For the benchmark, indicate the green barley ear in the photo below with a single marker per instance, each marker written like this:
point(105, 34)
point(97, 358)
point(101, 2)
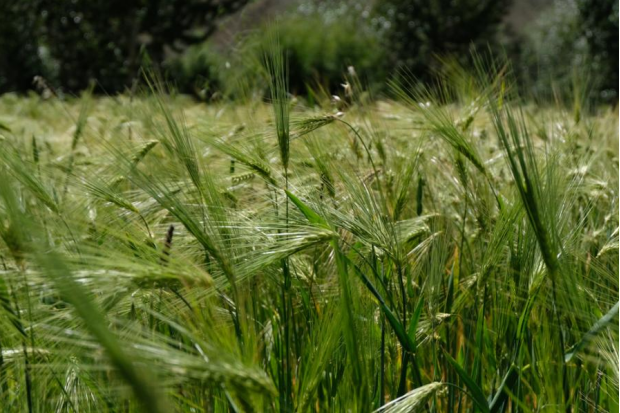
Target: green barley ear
point(610, 246)
point(414, 401)
point(277, 70)
point(143, 151)
point(302, 127)
point(24, 173)
point(581, 90)
point(403, 183)
point(430, 103)
point(174, 134)
point(516, 142)
point(80, 125)
point(322, 166)
point(35, 151)
point(245, 157)
point(106, 193)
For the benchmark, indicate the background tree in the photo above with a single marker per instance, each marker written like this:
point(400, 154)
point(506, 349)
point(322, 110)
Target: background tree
point(572, 41)
point(20, 59)
point(599, 25)
point(419, 29)
point(105, 39)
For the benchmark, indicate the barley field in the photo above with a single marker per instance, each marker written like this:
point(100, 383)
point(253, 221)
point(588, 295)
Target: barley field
point(454, 249)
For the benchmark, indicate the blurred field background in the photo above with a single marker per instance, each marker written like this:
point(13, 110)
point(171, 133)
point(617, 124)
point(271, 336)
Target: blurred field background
point(210, 49)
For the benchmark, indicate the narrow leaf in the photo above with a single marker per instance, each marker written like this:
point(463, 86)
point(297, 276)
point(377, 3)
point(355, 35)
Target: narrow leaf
point(474, 390)
point(596, 328)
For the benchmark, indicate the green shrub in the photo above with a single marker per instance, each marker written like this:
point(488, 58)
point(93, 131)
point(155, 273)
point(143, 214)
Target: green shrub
point(319, 52)
point(198, 71)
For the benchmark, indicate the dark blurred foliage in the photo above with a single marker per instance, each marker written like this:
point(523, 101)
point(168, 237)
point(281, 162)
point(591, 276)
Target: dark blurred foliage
point(103, 40)
point(574, 44)
point(74, 42)
point(419, 30)
point(20, 58)
point(200, 71)
point(107, 36)
point(599, 25)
